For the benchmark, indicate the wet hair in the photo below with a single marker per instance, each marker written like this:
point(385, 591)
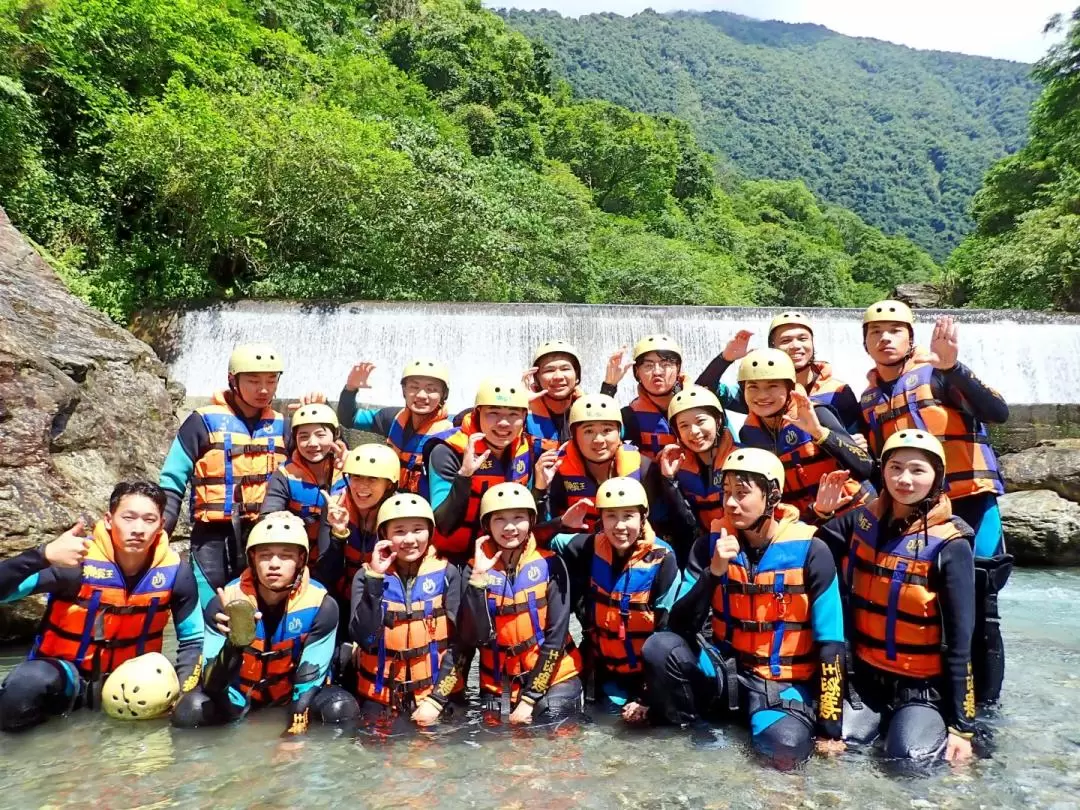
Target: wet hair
point(147, 489)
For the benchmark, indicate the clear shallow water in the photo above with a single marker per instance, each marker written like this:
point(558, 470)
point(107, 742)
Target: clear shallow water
point(90, 761)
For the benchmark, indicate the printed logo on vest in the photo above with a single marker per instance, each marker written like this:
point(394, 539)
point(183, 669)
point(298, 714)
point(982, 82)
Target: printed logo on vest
point(911, 380)
point(519, 467)
point(91, 571)
point(158, 580)
point(864, 523)
point(534, 573)
point(791, 437)
point(429, 586)
point(295, 625)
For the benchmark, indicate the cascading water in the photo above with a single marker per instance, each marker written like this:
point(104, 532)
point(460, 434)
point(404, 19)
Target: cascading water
point(1028, 357)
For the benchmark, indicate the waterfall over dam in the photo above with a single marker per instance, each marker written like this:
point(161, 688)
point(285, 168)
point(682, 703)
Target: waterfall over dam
point(1028, 357)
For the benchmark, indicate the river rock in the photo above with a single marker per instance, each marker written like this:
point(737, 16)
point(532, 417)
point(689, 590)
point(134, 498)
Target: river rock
point(1041, 527)
point(922, 295)
point(83, 404)
point(1053, 465)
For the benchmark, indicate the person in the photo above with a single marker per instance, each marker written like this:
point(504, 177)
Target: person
point(627, 579)
point(694, 465)
point(491, 449)
point(404, 616)
point(657, 368)
point(931, 390)
point(776, 652)
point(227, 451)
point(301, 485)
point(808, 438)
point(516, 611)
point(372, 473)
point(425, 384)
point(270, 638)
point(909, 574)
point(556, 376)
point(110, 596)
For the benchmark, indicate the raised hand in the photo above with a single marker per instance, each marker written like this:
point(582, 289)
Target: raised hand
point(546, 466)
point(805, 418)
point(945, 343)
point(529, 378)
point(739, 346)
point(382, 557)
point(725, 550)
point(482, 561)
point(831, 495)
point(576, 516)
point(340, 450)
point(337, 514)
point(617, 366)
point(358, 376)
point(670, 459)
point(472, 461)
point(310, 398)
point(69, 549)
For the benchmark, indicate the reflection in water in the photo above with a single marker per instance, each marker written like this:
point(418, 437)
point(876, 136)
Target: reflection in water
point(87, 760)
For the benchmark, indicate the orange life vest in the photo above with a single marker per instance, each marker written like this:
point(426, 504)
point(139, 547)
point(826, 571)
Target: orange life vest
point(656, 432)
point(306, 499)
point(517, 604)
point(825, 387)
point(401, 665)
point(762, 613)
point(357, 547)
point(804, 463)
point(234, 472)
point(971, 468)
point(521, 455)
point(896, 616)
point(267, 665)
point(579, 484)
point(622, 606)
point(410, 450)
point(104, 625)
point(703, 488)
point(550, 427)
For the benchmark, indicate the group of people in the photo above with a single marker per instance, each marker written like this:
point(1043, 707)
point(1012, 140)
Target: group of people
point(827, 575)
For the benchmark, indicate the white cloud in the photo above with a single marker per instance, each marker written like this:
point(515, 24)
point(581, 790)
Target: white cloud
point(1003, 30)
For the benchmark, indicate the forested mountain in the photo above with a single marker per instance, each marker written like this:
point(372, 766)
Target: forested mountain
point(902, 137)
point(163, 151)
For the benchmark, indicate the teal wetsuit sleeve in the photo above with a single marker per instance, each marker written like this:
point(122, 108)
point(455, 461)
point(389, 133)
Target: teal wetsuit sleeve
point(29, 573)
point(667, 582)
point(827, 611)
point(318, 650)
point(365, 419)
point(188, 620)
point(561, 542)
point(191, 443)
point(438, 487)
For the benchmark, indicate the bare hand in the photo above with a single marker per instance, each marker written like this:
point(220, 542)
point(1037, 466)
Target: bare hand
point(670, 459)
point(576, 517)
point(522, 714)
point(805, 418)
point(383, 556)
point(830, 747)
point(634, 713)
point(546, 466)
point(427, 713)
point(69, 549)
point(482, 563)
point(358, 376)
point(957, 749)
point(529, 378)
point(725, 550)
point(617, 367)
point(340, 450)
point(221, 618)
point(738, 347)
point(860, 440)
point(310, 398)
point(831, 494)
point(945, 343)
point(471, 461)
point(337, 514)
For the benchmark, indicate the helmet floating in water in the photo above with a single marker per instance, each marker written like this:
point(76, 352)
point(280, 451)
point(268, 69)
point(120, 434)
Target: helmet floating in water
point(141, 688)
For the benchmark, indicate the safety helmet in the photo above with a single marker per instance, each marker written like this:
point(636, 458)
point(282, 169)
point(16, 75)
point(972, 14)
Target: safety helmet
point(404, 505)
point(790, 319)
point(499, 392)
point(373, 461)
point(657, 343)
point(314, 414)
point(917, 440)
point(141, 688)
point(557, 347)
point(506, 496)
point(896, 311)
point(595, 408)
point(693, 396)
point(283, 528)
point(426, 368)
point(619, 492)
point(766, 364)
point(254, 358)
point(756, 460)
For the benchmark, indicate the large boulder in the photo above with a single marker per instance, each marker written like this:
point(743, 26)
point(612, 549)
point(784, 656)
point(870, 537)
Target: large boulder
point(83, 404)
point(923, 295)
point(1053, 465)
point(1041, 527)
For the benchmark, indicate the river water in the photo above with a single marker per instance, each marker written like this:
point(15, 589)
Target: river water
point(88, 760)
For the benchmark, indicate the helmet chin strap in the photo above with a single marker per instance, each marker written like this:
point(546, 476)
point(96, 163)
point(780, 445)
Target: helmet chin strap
point(770, 506)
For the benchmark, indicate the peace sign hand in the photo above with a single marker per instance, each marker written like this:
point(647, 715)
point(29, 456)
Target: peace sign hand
point(337, 515)
point(945, 344)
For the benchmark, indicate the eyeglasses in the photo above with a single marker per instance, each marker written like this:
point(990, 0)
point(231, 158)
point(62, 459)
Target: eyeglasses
point(662, 365)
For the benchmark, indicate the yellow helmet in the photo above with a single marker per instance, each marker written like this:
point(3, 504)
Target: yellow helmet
point(314, 414)
point(404, 505)
point(595, 408)
point(141, 688)
point(426, 368)
point(917, 440)
point(766, 364)
point(657, 343)
point(255, 357)
point(617, 492)
point(506, 496)
point(756, 460)
point(283, 528)
point(498, 392)
point(557, 347)
point(693, 396)
point(896, 311)
point(373, 461)
point(790, 319)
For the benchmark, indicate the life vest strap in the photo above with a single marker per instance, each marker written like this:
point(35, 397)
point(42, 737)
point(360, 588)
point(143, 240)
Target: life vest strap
point(881, 610)
point(876, 570)
point(412, 654)
point(417, 615)
point(212, 481)
point(762, 627)
point(516, 608)
point(862, 639)
point(756, 589)
point(607, 599)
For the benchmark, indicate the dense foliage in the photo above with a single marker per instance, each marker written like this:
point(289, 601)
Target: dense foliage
point(902, 137)
point(170, 150)
point(1025, 251)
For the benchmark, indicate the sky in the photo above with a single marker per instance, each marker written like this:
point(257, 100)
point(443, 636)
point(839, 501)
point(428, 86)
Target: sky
point(1012, 31)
